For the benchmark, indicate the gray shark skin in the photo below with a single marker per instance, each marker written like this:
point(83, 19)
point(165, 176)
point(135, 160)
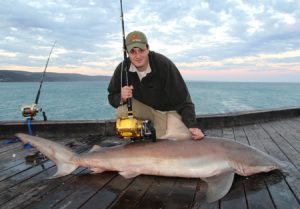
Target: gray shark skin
point(214, 160)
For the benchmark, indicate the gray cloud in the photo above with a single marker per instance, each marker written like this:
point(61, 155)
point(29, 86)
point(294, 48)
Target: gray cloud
point(88, 33)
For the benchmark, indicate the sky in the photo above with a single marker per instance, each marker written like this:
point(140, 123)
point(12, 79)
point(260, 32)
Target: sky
point(229, 40)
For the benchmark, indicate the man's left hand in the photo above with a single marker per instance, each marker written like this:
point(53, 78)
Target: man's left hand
point(197, 134)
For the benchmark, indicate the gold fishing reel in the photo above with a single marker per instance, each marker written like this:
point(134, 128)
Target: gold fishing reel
point(135, 129)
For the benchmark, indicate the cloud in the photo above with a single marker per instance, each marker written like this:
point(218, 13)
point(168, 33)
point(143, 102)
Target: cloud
point(215, 36)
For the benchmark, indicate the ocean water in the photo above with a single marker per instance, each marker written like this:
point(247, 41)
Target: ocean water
point(88, 100)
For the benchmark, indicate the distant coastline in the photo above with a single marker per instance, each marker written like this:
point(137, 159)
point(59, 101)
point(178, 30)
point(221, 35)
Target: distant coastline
point(24, 76)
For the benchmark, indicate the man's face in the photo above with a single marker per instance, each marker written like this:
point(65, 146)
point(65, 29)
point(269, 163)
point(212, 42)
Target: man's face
point(139, 58)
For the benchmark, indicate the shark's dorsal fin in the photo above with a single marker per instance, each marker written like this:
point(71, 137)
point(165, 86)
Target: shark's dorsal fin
point(218, 186)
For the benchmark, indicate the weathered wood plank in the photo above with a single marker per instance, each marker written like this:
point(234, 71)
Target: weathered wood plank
point(24, 175)
point(4, 148)
point(131, 196)
point(257, 193)
point(295, 124)
point(38, 191)
point(289, 151)
point(288, 154)
point(200, 198)
point(214, 132)
point(240, 135)
point(253, 138)
point(108, 194)
point(182, 195)
point(29, 188)
point(83, 188)
point(236, 198)
point(281, 194)
point(282, 150)
point(158, 193)
point(255, 188)
point(199, 201)
point(287, 133)
point(228, 133)
point(28, 185)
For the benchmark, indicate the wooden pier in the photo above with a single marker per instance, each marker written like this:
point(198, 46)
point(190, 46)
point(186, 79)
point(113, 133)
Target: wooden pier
point(24, 185)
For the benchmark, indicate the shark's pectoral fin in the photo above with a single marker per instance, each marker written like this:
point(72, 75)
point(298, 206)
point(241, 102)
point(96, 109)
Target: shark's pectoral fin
point(128, 174)
point(95, 148)
point(97, 170)
point(218, 186)
point(64, 169)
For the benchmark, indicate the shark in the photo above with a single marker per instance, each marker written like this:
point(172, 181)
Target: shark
point(212, 159)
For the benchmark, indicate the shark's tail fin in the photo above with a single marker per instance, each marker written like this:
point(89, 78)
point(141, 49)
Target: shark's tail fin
point(61, 155)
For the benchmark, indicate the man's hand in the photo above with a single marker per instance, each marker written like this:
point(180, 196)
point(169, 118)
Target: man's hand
point(126, 92)
point(197, 134)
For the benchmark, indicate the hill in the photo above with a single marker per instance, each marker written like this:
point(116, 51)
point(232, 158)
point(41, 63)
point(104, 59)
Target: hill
point(23, 76)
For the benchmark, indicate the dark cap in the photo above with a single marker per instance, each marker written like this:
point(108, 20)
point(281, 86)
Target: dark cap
point(136, 39)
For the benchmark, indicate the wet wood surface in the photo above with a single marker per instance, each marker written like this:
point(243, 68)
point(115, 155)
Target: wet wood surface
point(24, 185)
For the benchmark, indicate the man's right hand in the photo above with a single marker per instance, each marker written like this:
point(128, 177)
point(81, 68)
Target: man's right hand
point(126, 92)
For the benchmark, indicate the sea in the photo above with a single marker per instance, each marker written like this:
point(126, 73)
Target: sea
point(88, 100)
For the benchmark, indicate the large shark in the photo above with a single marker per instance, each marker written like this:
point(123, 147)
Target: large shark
point(214, 160)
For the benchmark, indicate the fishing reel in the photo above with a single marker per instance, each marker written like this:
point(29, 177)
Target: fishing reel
point(30, 111)
point(135, 129)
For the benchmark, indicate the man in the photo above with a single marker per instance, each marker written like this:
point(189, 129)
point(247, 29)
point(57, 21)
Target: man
point(156, 87)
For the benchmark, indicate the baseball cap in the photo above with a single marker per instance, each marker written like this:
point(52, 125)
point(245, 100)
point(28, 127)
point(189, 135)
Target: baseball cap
point(136, 39)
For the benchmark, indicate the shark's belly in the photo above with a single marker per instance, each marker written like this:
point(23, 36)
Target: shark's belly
point(193, 168)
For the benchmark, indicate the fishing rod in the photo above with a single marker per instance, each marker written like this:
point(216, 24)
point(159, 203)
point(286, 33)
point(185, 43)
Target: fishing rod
point(30, 111)
point(130, 127)
point(124, 63)
point(43, 76)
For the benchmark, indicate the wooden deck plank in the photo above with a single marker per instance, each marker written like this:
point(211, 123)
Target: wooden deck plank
point(8, 147)
point(228, 133)
point(295, 124)
point(252, 136)
point(28, 186)
point(287, 132)
point(20, 173)
point(240, 135)
point(281, 194)
point(133, 193)
point(23, 176)
point(257, 193)
point(291, 173)
point(256, 190)
point(236, 198)
point(83, 188)
point(200, 194)
point(283, 143)
point(108, 194)
point(38, 191)
point(200, 198)
point(158, 192)
point(214, 132)
point(281, 149)
point(182, 194)
point(15, 157)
